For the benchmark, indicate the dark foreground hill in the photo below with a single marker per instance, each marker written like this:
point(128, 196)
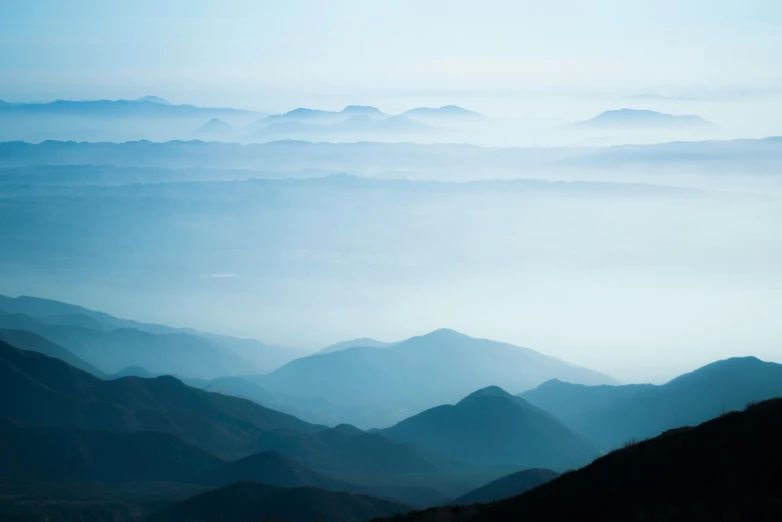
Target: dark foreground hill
point(727, 469)
point(612, 415)
point(36, 390)
point(68, 454)
point(508, 486)
point(271, 467)
point(382, 468)
point(252, 502)
point(87, 501)
point(492, 427)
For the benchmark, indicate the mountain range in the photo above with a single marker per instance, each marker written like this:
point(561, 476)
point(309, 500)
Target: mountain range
point(613, 415)
point(438, 161)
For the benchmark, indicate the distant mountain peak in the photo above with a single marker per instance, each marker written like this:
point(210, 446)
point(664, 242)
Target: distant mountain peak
point(490, 391)
point(347, 429)
point(361, 109)
point(215, 126)
point(445, 332)
point(446, 111)
point(643, 118)
point(153, 99)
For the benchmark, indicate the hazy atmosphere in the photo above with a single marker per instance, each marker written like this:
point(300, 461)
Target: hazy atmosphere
point(343, 261)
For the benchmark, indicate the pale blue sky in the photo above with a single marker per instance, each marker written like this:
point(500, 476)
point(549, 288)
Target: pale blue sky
point(262, 54)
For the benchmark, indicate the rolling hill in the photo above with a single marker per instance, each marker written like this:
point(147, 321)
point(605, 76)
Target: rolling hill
point(491, 427)
point(613, 415)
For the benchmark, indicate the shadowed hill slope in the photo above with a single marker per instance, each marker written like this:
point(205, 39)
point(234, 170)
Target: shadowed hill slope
point(67, 454)
point(508, 486)
point(27, 340)
point(251, 502)
point(724, 469)
point(492, 427)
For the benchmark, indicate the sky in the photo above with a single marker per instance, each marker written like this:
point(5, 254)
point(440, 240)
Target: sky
point(272, 55)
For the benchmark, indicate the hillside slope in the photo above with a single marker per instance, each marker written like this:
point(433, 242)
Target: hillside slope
point(491, 427)
point(613, 415)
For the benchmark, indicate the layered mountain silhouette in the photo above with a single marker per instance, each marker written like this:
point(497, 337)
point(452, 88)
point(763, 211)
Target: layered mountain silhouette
point(35, 343)
point(376, 388)
point(644, 118)
point(250, 502)
point(724, 469)
point(492, 427)
point(41, 391)
point(508, 486)
point(613, 415)
point(146, 106)
point(112, 344)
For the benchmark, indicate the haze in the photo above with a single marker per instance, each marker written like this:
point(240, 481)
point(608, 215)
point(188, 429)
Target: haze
point(669, 266)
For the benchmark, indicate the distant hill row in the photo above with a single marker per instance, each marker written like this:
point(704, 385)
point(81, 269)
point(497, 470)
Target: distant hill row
point(435, 161)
